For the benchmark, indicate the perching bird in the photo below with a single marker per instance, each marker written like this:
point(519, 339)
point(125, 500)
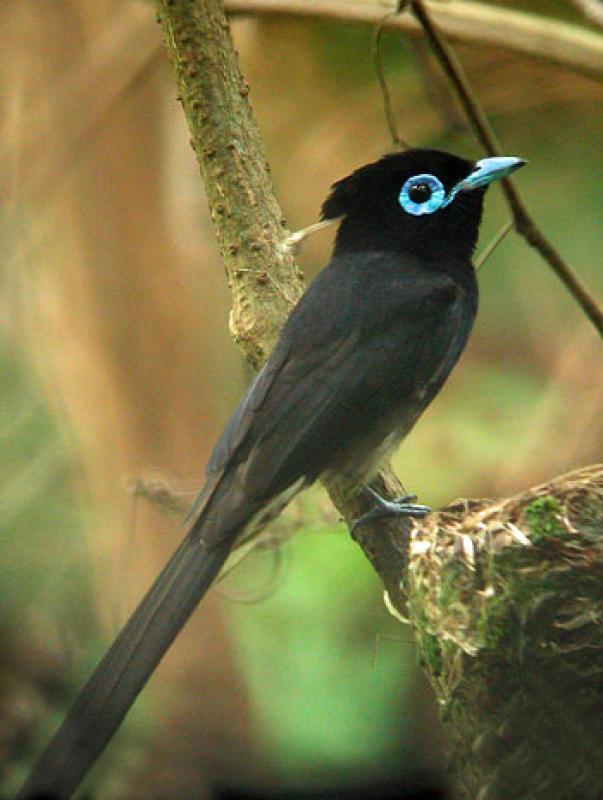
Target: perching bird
point(364, 352)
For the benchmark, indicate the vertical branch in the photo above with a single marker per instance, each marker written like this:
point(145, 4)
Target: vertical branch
point(398, 142)
point(264, 281)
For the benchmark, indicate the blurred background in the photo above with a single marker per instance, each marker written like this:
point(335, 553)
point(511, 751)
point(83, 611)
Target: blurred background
point(116, 366)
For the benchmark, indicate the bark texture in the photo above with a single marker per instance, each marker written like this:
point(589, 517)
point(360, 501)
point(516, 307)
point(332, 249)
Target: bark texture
point(263, 278)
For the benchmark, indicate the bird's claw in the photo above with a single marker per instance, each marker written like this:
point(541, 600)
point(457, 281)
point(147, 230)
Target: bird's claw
point(403, 506)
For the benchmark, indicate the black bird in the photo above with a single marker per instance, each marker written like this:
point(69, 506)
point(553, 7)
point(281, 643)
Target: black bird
point(364, 352)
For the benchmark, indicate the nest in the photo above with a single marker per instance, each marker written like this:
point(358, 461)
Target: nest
point(506, 598)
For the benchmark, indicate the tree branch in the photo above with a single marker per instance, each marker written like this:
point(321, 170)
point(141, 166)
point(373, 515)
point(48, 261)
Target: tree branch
point(249, 225)
point(592, 10)
point(532, 35)
point(524, 223)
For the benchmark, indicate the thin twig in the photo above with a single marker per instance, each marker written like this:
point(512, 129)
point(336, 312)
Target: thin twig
point(294, 241)
point(398, 142)
point(493, 244)
point(482, 129)
point(162, 493)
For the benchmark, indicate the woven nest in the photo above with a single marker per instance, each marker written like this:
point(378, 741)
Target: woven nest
point(506, 599)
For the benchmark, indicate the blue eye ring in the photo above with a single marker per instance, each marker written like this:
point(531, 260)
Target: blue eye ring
point(435, 201)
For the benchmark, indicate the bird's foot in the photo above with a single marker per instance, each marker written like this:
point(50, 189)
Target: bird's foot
point(400, 507)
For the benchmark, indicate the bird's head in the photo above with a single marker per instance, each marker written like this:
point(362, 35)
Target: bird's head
point(424, 201)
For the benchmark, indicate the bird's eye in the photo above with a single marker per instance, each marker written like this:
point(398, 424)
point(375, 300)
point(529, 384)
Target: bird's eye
point(422, 194)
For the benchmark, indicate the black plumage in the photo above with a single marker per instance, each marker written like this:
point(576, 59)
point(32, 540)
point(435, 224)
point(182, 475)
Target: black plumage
point(364, 352)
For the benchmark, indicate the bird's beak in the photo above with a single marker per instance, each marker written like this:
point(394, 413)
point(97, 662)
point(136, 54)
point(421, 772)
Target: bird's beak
point(488, 170)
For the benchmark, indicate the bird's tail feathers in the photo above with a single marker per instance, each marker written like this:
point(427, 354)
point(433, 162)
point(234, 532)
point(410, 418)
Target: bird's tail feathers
point(130, 661)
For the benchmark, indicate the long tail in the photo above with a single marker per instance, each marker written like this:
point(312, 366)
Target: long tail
point(120, 676)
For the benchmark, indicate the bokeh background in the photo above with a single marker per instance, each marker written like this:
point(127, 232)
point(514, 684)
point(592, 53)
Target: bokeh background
point(116, 366)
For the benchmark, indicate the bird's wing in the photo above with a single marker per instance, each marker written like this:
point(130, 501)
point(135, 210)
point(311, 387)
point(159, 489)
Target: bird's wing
point(314, 391)
point(293, 387)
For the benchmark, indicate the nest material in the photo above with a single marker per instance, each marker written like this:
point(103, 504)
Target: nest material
point(507, 601)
